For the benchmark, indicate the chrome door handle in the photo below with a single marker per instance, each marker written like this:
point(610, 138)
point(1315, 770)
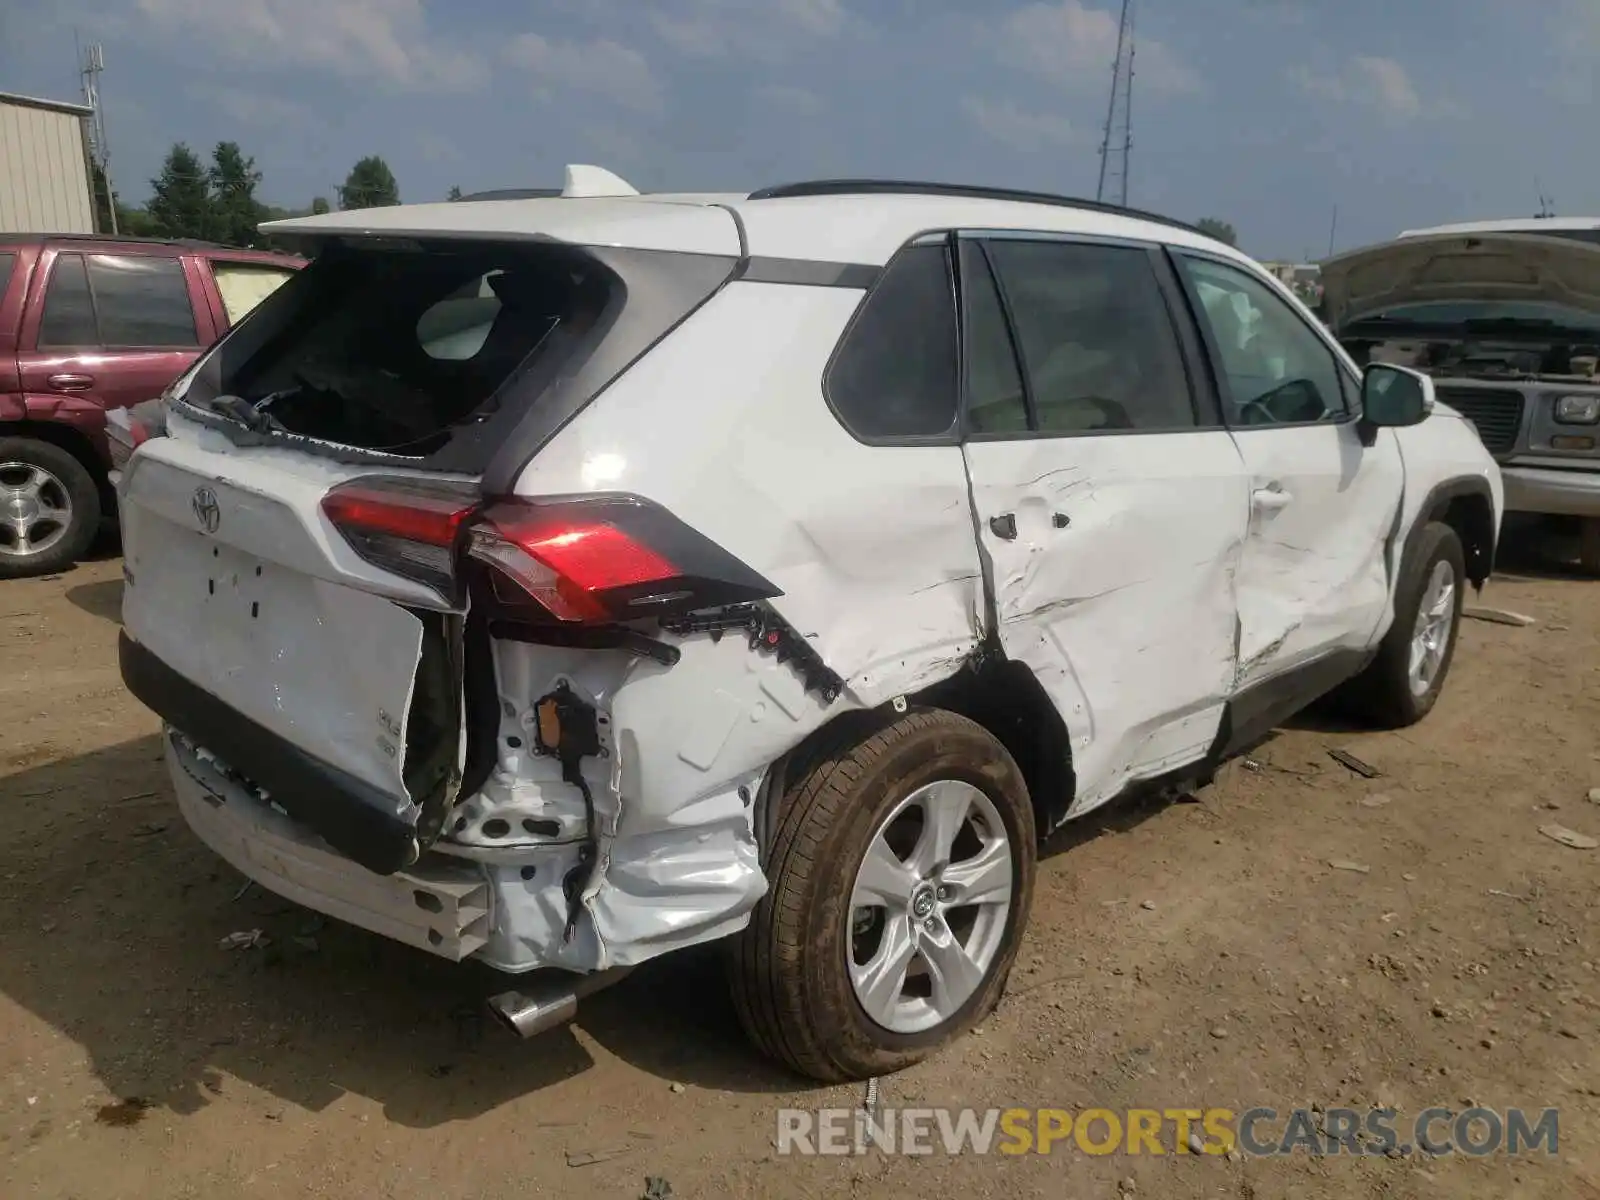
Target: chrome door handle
point(70, 383)
point(1271, 499)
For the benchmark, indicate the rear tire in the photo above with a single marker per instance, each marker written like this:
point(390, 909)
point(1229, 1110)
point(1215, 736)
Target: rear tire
point(1401, 685)
point(812, 988)
point(49, 508)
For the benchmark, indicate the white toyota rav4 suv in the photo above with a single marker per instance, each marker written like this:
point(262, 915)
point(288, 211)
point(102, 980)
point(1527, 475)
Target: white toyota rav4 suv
point(564, 582)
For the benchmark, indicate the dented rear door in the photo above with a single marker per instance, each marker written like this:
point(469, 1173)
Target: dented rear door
point(1111, 548)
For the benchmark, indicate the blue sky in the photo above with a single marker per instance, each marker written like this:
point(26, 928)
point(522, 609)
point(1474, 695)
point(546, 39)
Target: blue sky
point(1266, 113)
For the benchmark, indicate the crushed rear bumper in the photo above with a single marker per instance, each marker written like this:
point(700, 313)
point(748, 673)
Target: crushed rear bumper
point(438, 906)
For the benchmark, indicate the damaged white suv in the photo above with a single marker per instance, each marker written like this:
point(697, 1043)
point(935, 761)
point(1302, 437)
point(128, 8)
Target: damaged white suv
point(564, 582)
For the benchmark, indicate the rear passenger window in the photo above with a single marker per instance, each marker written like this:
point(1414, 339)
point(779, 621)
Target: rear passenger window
point(7, 263)
point(996, 402)
point(1097, 342)
point(68, 318)
point(141, 301)
point(894, 376)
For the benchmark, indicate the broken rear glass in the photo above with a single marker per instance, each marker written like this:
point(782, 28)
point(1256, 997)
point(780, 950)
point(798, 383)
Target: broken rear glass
point(387, 348)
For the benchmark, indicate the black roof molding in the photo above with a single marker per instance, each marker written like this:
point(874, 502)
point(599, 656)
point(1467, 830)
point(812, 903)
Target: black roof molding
point(894, 187)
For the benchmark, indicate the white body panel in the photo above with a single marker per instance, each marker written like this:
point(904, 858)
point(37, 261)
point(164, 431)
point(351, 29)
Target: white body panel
point(643, 223)
point(271, 612)
point(1126, 613)
point(1315, 575)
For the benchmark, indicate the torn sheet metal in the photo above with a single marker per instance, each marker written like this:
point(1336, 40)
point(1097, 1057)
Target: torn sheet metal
point(1114, 579)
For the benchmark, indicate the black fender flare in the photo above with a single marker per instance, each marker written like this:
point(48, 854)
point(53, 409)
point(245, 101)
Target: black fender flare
point(1480, 561)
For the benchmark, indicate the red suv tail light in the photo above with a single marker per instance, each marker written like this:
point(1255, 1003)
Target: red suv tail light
point(591, 560)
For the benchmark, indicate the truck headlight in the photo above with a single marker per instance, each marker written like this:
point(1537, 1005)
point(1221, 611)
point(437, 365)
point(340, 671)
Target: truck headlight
point(1578, 410)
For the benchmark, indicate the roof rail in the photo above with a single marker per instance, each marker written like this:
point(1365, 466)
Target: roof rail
point(893, 187)
point(190, 243)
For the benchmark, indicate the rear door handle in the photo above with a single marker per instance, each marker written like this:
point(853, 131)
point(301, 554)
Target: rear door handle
point(1270, 499)
point(1004, 526)
point(70, 383)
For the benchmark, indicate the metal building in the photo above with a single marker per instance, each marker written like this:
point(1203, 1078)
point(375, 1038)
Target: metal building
point(44, 167)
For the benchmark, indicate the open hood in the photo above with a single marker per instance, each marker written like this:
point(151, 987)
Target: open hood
point(1456, 267)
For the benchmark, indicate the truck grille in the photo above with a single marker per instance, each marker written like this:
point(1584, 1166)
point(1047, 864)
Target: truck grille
point(1496, 412)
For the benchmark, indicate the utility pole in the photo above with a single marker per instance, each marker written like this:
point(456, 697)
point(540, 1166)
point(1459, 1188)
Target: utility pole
point(1333, 229)
point(90, 63)
point(1116, 143)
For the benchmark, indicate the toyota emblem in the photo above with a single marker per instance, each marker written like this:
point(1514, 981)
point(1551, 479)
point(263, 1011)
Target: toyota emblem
point(206, 510)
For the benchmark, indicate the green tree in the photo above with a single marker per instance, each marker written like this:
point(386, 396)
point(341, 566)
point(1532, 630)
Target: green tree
point(455, 193)
point(233, 179)
point(180, 201)
point(1219, 229)
point(370, 184)
point(320, 205)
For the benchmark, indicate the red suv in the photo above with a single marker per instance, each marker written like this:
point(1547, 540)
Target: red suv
point(89, 324)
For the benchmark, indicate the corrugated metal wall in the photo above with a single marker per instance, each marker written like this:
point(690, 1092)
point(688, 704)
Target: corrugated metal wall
point(44, 176)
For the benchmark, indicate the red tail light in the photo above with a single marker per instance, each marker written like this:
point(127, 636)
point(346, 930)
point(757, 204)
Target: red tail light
point(601, 559)
point(401, 527)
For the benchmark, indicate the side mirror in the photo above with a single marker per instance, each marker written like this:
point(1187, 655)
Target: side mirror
point(1395, 396)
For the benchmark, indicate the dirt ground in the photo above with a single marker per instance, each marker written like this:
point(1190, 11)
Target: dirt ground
point(1190, 955)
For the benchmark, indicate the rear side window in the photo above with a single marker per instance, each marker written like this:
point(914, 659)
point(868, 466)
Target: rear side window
point(8, 263)
point(117, 301)
point(68, 318)
point(894, 375)
point(245, 285)
point(1099, 351)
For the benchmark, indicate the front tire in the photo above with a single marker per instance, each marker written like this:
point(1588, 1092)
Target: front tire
point(49, 508)
point(1402, 684)
point(901, 874)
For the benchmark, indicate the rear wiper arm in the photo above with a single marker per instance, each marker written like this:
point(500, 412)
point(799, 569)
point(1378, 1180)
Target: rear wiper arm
point(247, 414)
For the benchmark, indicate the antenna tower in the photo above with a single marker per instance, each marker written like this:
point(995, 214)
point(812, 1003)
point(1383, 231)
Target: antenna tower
point(92, 61)
point(1116, 144)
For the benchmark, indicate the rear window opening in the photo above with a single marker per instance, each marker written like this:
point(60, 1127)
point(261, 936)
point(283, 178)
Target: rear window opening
point(388, 348)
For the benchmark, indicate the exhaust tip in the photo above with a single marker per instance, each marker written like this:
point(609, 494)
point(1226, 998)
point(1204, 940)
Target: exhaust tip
point(528, 1015)
point(548, 1003)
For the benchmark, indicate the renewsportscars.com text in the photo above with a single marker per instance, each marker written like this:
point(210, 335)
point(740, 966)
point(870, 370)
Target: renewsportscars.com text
point(1260, 1132)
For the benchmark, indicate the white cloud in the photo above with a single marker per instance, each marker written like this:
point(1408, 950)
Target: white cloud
point(764, 29)
point(1375, 82)
point(1075, 45)
point(601, 67)
point(793, 99)
point(389, 40)
point(1006, 122)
